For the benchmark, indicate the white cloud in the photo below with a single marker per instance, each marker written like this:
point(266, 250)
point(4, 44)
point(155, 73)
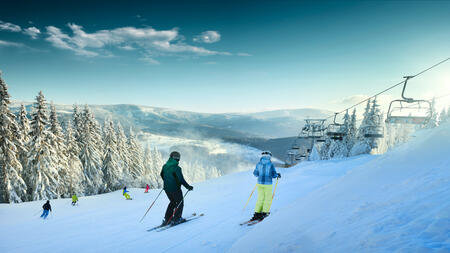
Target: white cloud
point(9, 27)
point(208, 37)
point(352, 99)
point(147, 40)
point(149, 60)
point(4, 43)
point(243, 54)
point(33, 32)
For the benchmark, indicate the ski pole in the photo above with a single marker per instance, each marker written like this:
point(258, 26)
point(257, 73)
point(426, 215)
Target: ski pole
point(249, 198)
point(273, 195)
point(176, 209)
point(151, 205)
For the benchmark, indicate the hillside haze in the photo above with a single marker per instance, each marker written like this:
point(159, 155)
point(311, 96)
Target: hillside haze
point(163, 121)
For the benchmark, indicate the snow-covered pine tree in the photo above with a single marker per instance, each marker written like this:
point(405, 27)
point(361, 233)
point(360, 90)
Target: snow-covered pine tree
point(352, 131)
point(374, 122)
point(42, 173)
point(75, 168)
point(77, 124)
point(362, 145)
point(314, 156)
point(122, 150)
point(158, 163)
point(23, 132)
point(443, 116)
point(150, 176)
point(136, 166)
point(111, 169)
point(90, 154)
point(12, 186)
point(58, 144)
point(324, 150)
point(433, 122)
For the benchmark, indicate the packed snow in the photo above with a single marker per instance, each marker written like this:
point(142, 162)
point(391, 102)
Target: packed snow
point(399, 201)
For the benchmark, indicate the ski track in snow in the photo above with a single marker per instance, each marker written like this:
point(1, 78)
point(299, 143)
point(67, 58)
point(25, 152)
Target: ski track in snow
point(399, 201)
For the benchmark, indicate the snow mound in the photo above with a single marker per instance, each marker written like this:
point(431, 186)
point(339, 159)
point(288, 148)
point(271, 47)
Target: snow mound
point(399, 201)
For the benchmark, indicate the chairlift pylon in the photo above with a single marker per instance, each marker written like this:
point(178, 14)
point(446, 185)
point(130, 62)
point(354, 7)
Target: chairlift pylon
point(409, 110)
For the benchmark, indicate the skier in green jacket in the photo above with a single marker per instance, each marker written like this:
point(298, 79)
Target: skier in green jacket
point(173, 179)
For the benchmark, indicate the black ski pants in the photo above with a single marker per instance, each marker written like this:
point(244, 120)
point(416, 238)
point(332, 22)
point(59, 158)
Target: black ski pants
point(175, 198)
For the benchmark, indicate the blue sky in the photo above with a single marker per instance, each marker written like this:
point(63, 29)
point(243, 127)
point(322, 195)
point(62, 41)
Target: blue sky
point(222, 56)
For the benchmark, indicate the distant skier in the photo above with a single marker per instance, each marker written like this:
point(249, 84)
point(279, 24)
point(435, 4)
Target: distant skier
point(173, 179)
point(265, 171)
point(125, 193)
point(74, 199)
point(46, 208)
point(147, 188)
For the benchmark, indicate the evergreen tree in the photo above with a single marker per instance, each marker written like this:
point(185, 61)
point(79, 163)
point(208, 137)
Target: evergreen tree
point(324, 150)
point(150, 177)
point(42, 174)
point(77, 124)
point(362, 145)
point(158, 163)
point(136, 166)
point(12, 186)
point(111, 169)
point(443, 116)
point(433, 122)
point(90, 154)
point(75, 168)
point(352, 131)
point(58, 143)
point(123, 152)
point(24, 137)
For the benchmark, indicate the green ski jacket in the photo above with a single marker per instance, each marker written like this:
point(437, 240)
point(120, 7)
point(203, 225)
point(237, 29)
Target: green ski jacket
point(172, 176)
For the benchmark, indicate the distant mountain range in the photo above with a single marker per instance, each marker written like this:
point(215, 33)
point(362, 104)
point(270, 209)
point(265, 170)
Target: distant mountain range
point(267, 125)
point(261, 130)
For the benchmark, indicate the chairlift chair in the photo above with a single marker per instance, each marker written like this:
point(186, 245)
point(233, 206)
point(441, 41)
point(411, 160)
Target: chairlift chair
point(374, 131)
point(409, 110)
point(335, 130)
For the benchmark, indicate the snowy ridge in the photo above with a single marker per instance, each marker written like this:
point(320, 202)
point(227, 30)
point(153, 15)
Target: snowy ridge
point(399, 201)
point(156, 120)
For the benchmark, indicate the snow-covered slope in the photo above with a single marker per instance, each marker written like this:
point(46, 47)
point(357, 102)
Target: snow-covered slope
point(397, 202)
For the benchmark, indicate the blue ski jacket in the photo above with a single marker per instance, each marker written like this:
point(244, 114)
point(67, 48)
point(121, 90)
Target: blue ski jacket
point(265, 171)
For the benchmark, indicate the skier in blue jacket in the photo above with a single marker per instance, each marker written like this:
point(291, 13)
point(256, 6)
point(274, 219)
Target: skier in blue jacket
point(265, 171)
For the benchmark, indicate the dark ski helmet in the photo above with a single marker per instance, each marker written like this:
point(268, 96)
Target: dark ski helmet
point(175, 155)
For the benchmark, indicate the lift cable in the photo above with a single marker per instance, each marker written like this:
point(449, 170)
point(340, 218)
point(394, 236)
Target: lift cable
point(393, 86)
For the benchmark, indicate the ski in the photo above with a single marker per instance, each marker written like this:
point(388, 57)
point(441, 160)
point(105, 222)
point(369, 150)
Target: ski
point(193, 217)
point(161, 226)
point(247, 222)
point(254, 222)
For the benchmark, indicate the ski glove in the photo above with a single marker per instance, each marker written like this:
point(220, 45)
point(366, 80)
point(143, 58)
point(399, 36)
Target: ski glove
point(190, 188)
point(278, 175)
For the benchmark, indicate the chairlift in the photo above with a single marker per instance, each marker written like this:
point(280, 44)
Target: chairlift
point(335, 130)
point(409, 110)
point(374, 131)
point(295, 147)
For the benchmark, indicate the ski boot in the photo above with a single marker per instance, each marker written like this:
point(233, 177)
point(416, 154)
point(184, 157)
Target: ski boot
point(263, 215)
point(256, 216)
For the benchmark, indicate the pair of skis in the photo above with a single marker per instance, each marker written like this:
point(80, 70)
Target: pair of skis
point(160, 228)
point(252, 222)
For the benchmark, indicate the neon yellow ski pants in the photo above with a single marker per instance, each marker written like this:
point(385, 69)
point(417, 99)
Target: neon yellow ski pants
point(126, 195)
point(264, 198)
